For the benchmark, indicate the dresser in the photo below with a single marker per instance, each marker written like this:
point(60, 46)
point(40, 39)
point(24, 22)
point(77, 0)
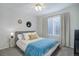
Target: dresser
point(76, 43)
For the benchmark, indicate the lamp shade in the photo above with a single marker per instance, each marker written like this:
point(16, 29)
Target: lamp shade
point(38, 7)
point(11, 35)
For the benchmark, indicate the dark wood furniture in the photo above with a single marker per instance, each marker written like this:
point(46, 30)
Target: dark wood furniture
point(76, 43)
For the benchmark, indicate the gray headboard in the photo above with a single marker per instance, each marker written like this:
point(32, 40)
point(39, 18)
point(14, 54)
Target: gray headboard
point(20, 32)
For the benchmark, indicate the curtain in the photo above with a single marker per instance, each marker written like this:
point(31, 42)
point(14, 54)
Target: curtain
point(65, 29)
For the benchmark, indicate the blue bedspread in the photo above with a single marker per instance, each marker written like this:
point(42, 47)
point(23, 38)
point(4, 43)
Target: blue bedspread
point(40, 47)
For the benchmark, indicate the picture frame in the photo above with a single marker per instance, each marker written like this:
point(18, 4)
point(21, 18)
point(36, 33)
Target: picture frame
point(19, 21)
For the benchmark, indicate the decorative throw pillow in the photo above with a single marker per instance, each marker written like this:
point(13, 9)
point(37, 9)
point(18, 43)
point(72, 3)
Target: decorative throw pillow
point(36, 35)
point(26, 36)
point(33, 36)
point(30, 36)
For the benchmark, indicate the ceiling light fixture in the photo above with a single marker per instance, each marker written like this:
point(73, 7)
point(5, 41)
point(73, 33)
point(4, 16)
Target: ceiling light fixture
point(38, 7)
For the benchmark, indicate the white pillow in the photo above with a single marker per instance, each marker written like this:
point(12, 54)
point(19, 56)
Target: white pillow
point(20, 37)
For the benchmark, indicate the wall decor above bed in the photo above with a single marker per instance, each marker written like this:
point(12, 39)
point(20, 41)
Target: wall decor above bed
point(28, 24)
point(19, 21)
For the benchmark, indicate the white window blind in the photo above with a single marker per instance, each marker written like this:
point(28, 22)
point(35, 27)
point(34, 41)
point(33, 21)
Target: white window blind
point(54, 25)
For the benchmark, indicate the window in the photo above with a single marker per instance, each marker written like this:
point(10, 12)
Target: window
point(54, 25)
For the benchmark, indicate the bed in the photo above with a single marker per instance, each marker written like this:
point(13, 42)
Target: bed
point(37, 47)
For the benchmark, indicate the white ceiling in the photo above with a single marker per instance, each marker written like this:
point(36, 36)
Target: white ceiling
point(54, 7)
point(29, 7)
